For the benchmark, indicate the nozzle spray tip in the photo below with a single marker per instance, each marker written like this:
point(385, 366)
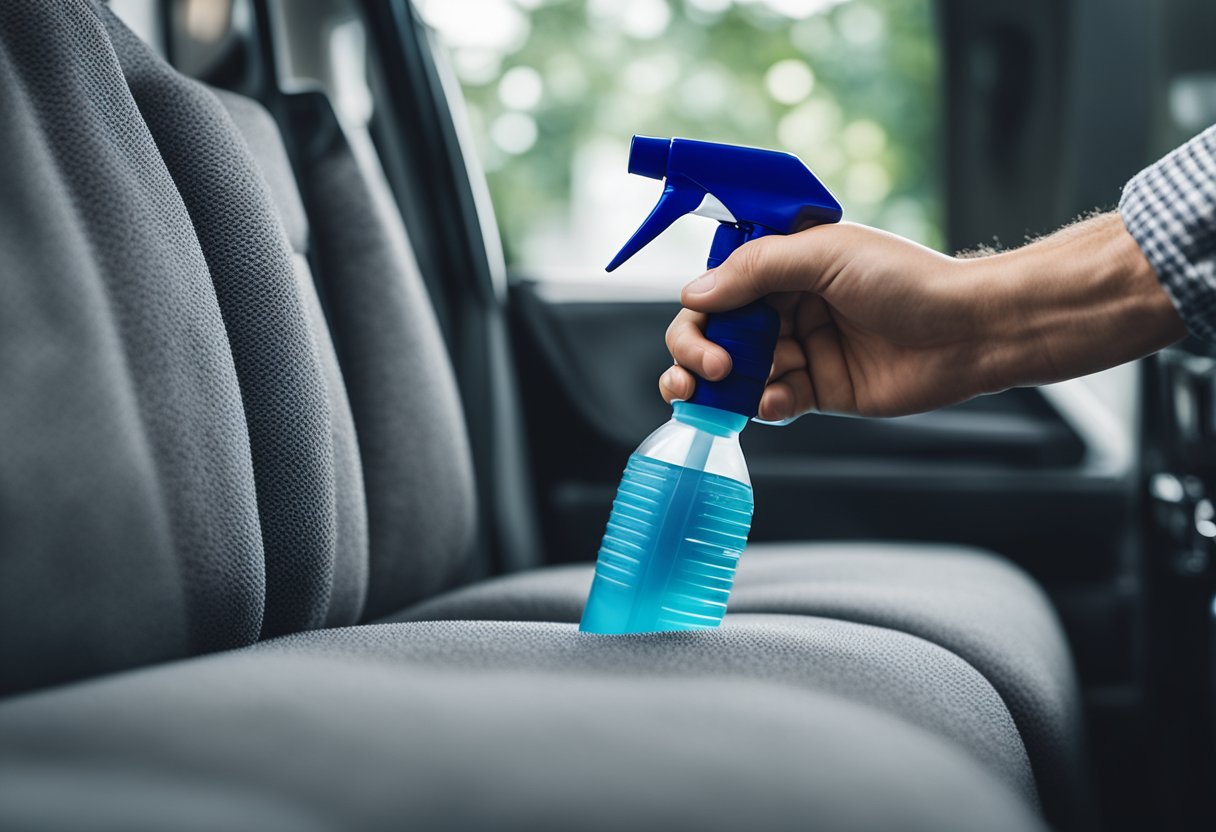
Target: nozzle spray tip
point(648, 156)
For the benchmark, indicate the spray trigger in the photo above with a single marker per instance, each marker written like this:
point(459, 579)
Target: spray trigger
point(680, 197)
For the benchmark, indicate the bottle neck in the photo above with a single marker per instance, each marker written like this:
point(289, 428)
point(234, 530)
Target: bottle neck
point(709, 419)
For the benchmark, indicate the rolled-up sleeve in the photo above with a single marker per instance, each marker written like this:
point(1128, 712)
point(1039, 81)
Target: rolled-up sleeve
point(1170, 210)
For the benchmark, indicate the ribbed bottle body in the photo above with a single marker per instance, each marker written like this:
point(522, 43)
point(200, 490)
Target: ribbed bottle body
point(673, 541)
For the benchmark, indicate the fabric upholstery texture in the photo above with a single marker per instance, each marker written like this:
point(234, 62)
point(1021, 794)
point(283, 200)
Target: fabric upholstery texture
point(373, 728)
point(978, 606)
point(349, 587)
point(974, 604)
point(274, 348)
point(128, 517)
point(421, 502)
point(924, 684)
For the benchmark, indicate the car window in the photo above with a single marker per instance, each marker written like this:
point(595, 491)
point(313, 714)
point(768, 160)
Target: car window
point(555, 88)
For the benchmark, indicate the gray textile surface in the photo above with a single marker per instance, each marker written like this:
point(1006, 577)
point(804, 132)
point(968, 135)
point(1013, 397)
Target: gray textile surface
point(301, 736)
point(350, 558)
point(265, 143)
point(976, 605)
point(416, 458)
point(909, 677)
point(274, 349)
point(128, 524)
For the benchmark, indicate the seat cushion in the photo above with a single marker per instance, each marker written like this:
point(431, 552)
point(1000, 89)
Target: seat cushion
point(904, 675)
point(977, 605)
point(520, 726)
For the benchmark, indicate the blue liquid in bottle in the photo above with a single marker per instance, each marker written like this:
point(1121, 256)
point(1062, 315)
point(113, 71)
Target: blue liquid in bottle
point(678, 526)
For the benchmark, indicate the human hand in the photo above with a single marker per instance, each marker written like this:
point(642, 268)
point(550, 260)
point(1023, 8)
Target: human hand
point(876, 325)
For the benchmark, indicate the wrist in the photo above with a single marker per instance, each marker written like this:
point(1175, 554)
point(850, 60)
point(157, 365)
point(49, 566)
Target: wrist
point(1082, 300)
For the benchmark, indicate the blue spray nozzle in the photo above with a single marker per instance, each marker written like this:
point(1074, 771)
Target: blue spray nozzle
point(752, 193)
point(648, 156)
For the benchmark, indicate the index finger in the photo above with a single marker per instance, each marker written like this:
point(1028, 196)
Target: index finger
point(801, 262)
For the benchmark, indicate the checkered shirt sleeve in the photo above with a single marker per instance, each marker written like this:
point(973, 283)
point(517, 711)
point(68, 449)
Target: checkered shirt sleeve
point(1170, 210)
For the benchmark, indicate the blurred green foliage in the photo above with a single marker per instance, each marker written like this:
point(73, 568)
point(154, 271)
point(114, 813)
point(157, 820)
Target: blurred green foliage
point(850, 87)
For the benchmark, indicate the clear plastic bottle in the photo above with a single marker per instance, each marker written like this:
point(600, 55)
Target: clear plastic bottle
point(684, 508)
point(678, 526)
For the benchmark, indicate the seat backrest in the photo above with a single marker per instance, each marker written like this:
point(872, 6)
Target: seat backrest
point(416, 517)
point(408, 534)
point(129, 521)
point(180, 469)
point(417, 463)
point(349, 583)
point(265, 294)
point(421, 504)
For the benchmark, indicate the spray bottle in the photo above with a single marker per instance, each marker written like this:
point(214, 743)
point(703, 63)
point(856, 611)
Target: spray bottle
point(684, 508)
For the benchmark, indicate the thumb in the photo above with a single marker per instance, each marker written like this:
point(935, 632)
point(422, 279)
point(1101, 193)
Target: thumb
point(794, 263)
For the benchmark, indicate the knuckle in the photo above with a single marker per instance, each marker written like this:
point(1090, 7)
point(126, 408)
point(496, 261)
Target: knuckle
point(681, 339)
point(674, 332)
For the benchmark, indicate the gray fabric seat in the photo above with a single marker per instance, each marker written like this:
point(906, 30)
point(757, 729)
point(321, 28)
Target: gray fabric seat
point(886, 670)
point(181, 474)
point(974, 604)
point(482, 726)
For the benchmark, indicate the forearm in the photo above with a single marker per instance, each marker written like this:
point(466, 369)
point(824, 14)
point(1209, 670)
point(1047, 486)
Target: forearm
point(1082, 300)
